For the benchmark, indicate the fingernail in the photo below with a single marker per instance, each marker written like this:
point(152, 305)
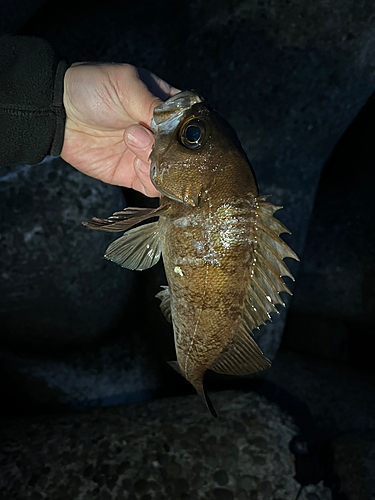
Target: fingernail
point(139, 137)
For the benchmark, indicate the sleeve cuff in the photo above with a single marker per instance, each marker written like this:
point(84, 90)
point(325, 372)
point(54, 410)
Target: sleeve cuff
point(58, 106)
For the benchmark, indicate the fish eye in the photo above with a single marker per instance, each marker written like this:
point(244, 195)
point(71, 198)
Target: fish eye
point(192, 133)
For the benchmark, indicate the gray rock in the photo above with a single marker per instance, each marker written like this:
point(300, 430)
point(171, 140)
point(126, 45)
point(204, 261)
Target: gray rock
point(335, 293)
point(70, 444)
point(264, 488)
point(56, 288)
point(223, 494)
point(59, 297)
point(247, 482)
point(355, 464)
point(221, 477)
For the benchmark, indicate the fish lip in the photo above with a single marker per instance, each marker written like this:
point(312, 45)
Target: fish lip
point(174, 108)
point(162, 191)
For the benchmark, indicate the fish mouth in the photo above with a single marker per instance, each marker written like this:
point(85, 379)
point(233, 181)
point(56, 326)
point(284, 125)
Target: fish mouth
point(167, 116)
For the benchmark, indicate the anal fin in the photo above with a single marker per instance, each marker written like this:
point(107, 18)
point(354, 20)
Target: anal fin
point(241, 356)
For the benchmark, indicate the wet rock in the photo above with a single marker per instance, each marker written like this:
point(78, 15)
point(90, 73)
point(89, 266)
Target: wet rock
point(335, 295)
point(140, 486)
point(259, 460)
point(59, 297)
point(182, 485)
point(242, 495)
point(174, 470)
point(355, 464)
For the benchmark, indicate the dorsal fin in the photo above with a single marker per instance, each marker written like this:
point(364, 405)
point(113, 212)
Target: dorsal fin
point(268, 266)
point(242, 356)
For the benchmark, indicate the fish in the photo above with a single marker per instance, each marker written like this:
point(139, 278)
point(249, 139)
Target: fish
point(219, 241)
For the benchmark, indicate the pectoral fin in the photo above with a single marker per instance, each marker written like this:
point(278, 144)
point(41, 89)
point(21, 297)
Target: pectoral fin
point(138, 249)
point(121, 221)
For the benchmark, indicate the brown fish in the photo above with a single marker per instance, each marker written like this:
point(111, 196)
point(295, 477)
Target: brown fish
point(221, 249)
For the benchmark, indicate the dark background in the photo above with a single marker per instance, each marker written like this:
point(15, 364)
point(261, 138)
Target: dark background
point(295, 79)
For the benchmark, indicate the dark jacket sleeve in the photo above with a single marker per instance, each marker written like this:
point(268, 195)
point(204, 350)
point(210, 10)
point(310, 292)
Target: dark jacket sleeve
point(32, 115)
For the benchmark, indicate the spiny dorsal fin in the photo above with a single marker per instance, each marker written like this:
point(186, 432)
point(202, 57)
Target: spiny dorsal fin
point(121, 221)
point(242, 356)
point(268, 266)
point(165, 304)
point(138, 249)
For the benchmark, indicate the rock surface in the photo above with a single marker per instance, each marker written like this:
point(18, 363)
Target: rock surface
point(355, 461)
point(335, 293)
point(68, 333)
point(56, 288)
point(340, 405)
point(170, 448)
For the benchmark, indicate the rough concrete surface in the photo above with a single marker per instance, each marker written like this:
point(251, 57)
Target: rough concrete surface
point(170, 448)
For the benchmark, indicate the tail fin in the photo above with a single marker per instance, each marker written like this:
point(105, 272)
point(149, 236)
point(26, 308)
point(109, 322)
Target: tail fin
point(207, 401)
point(199, 388)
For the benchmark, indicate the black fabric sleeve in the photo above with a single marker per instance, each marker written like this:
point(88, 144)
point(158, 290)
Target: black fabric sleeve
point(32, 115)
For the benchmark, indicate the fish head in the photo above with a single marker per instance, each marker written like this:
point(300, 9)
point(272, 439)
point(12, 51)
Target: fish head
point(192, 144)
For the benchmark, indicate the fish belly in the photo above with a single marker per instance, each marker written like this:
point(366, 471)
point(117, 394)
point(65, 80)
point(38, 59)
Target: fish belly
point(207, 283)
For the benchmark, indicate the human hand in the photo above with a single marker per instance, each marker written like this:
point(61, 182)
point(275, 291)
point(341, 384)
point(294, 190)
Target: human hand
point(108, 111)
